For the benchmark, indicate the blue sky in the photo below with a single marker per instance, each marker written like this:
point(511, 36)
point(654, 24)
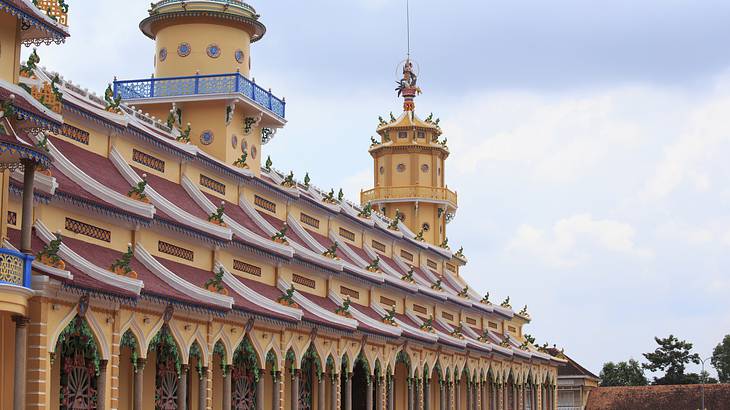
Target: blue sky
point(588, 142)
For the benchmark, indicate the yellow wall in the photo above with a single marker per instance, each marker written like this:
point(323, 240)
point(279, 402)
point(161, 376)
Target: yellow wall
point(202, 258)
point(9, 47)
point(55, 219)
point(172, 166)
point(7, 359)
point(126, 380)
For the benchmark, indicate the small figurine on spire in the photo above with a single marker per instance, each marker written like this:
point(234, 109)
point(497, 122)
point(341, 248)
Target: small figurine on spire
point(407, 86)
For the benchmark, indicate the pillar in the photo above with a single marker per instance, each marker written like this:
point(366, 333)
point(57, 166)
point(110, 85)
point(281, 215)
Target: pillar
point(418, 392)
point(426, 394)
point(259, 390)
point(320, 391)
point(101, 385)
point(449, 393)
point(139, 383)
point(227, 389)
point(202, 391)
point(333, 391)
point(543, 403)
point(294, 405)
point(27, 220)
point(21, 343)
point(409, 381)
point(348, 391)
point(457, 394)
point(468, 395)
point(276, 390)
point(475, 395)
point(391, 392)
point(442, 395)
point(182, 388)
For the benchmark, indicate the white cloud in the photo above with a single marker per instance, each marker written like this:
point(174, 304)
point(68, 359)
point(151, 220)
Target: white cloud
point(572, 240)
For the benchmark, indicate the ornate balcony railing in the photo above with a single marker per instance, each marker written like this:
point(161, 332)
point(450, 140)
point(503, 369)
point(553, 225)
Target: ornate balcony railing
point(15, 267)
point(235, 3)
point(200, 85)
point(409, 193)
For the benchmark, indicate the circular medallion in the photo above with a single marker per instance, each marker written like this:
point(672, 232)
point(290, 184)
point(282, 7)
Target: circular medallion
point(401, 167)
point(424, 167)
point(213, 51)
point(183, 50)
point(234, 141)
point(253, 152)
point(206, 137)
point(244, 145)
point(239, 56)
point(163, 54)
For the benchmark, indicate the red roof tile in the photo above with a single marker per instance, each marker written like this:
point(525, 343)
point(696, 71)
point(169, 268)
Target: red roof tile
point(174, 193)
point(94, 165)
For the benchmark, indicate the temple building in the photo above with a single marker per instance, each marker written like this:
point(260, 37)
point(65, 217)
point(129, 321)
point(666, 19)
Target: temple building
point(154, 258)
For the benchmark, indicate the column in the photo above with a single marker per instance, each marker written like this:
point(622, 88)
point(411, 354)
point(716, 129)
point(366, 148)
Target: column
point(333, 391)
point(202, 391)
point(276, 390)
point(543, 402)
point(449, 393)
point(227, 389)
point(294, 405)
point(27, 221)
point(369, 394)
point(493, 394)
point(468, 395)
point(475, 395)
point(426, 394)
point(442, 395)
point(260, 393)
point(409, 382)
point(101, 385)
point(457, 394)
point(391, 393)
point(182, 388)
point(139, 383)
point(348, 391)
point(418, 391)
point(21, 343)
point(320, 391)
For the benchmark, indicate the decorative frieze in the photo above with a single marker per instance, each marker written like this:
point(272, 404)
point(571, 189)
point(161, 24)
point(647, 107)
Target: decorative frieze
point(88, 230)
point(246, 268)
point(349, 235)
point(308, 220)
point(176, 251)
point(264, 204)
point(349, 292)
point(378, 246)
point(148, 160)
point(301, 280)
point(75, 134)
point(212, 184)
point(406, 255)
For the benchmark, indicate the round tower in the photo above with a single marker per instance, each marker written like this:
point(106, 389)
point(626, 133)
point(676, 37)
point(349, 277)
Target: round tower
point(409, 168)
point(202, 36)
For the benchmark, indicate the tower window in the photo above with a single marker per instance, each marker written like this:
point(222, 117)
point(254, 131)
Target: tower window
point(213, 51)
point(163, 54)
point(244, 145)
point(183, 50)
point(402, 135)
point(438, 171)
point(401, 167)
point(382, 170)
point(424, 168)
point(253, 152)
point(239, 56)
point(426, 227)
point(421, 134)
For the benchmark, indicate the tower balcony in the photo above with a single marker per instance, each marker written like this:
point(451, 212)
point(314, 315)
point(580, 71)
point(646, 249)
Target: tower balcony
point(412, 193)
point(200, 87)
point(15, 277)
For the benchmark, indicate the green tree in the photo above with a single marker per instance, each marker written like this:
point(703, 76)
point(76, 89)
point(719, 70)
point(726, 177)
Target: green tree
point(671, 357)
point(721, 359)
point(623, 374)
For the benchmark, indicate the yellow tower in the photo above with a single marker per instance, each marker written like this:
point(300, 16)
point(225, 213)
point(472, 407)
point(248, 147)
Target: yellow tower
point(409, 168)
point(202, 78)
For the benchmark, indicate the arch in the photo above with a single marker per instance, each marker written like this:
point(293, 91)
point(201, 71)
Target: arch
point(132, 326)
point(200, 340)
point(94, 325)
point(246, 373)
point(77, 354)
point(228, 349)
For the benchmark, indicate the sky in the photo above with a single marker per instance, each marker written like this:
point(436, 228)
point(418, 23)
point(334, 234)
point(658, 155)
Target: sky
point(588, 142)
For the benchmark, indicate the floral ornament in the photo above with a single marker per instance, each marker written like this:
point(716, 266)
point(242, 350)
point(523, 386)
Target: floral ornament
point(241, 162)
point(419, 236)
point(374, 265)
point(268, 163)
point(344, 310)
point(184, 136)
point(49, 255)
point(464, 293)
point(112, 102)
point(505, 303)
point(289, 182)
point(392, 117)
point(215, 284)
point(437, 285)
point(366, 211)
point(280, 237)
point(485, 299)
point(137, 191)
point(394, 222)
point(307, 180)
point(389, 317)
point(381, 121)
point(287, 299)
point(330, 197)
point(27, 70)
point(484, 337)
point(123, 265)
point(213, 51)
point(217, 216)
point(524, 313)
point(458, 331)
point(408, 276)
point(427, 325)
point(331, 252)
point(184, 49)
point(445, 244)
point(460, 253)
point(373, 141)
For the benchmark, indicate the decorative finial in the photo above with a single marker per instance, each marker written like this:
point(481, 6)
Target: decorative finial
point(407, 86)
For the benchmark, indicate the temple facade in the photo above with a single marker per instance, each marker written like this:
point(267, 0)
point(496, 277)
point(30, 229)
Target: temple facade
point(154, 258)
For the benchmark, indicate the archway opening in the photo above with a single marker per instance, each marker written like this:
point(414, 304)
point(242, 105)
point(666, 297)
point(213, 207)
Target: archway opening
point(76, 365)
point(128, 355)
point(219, 369)
point(245, 375)
point(164, 354)
point(400, 381)
point(309, 379)
point(360, 380)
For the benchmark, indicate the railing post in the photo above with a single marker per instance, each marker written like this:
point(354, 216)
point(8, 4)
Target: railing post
point(26, 269)
point(152, 87)
point(197, 84)
point(238, 79)
point(269, 99)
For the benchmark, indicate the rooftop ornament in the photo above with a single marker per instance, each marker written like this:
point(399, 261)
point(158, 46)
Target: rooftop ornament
point(330, 197)
point(427, 325)
point(344, 310)
point(505, 303)
point(381, 121)
point(27, 70)
point(137, 191)
point(419, 236)
point(307, 180)
point(268, 163)
point(331, 252)
point(289, 182)
point(366, 211)
point(394, 222)
point(524, 313)
point(280, 237)
point(484, 337)
point(464, 293)
point(458, 331)
point(389, 318)
point(112, 102)
point(123, 265)
point(287, 299)
point(215, 284)
point(241, 162)
point(49, 255)
point(445, 244)
point(407, 86)
point(485, 299)
point(374, 265)
point(408, 276)
point(373, 141)
point(184, 136)
point(460, 253)
point(505, 342)
point(217, 216)
point(437, 285)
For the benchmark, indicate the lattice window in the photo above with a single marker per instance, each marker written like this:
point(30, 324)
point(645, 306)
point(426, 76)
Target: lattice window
point(450, 267)
point(88, 230)
point(310, 283)
point(420, 309)
point(387, 301)
point(313, 222)
point(75, 134)
point(12, 218)
point(349, 292)
point(431, 264)
point(212, 184)
point(378, 246)
point(493, 325)
point(246, 267)
point(447, 315)
point(350, 236)
point(148, 160)
point(471, 321)
point(176, 251)
point(512, 329)
point(406, 255)
point(264, 204)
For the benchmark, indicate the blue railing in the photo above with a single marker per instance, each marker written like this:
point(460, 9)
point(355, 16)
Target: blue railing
point(15, 267)
point(199, 85)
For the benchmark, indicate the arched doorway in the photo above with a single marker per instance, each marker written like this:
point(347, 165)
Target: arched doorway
point(128, 356)
point(77, 362)
point(400, 386)
point(163, 352)
point(360, 380)
point(435, 380)
point(220, 371)
point(309, 379)
point(245, 375)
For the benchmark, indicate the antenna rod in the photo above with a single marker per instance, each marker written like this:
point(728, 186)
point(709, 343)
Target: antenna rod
point(408, 27)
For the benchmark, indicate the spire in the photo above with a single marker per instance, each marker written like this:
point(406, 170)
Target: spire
point(407, 86)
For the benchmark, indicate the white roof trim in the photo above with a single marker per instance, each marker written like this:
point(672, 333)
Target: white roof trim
point(441, 335)
point(165, 205)
point(307, 304)
point(392, 275)
point(255, 216)
point(96, 272)
point(365, 319)
point(351, 254)
point(314, 256)
point(19, 91)
point(42, 182)
point(250, 294)
point(37, 265)
point(178, 283)
point(408, 328)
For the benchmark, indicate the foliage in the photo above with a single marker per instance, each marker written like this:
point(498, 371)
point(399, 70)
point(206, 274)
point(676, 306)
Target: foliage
point(217, 216)
point(125, 262)
point(50, 251)
point(166, 348)
point(623, 374)
point(241, 162)
point(288, 297)
point(138, 190)
point(268, 163)
point(721, 359)
point(29, 67)
point(331, 252)
point(344, 310)
point(195, 352)
point(245, 357)
point(216, 281)
point(366, 211)
point(77, 338)
point(671, 356)
point(129, 341)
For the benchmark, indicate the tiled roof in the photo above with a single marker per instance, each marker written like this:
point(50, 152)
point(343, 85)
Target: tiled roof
point(572, 368)
point(684, 397)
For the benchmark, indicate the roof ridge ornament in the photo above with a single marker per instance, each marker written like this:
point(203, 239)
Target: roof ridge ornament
point(407, 86)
